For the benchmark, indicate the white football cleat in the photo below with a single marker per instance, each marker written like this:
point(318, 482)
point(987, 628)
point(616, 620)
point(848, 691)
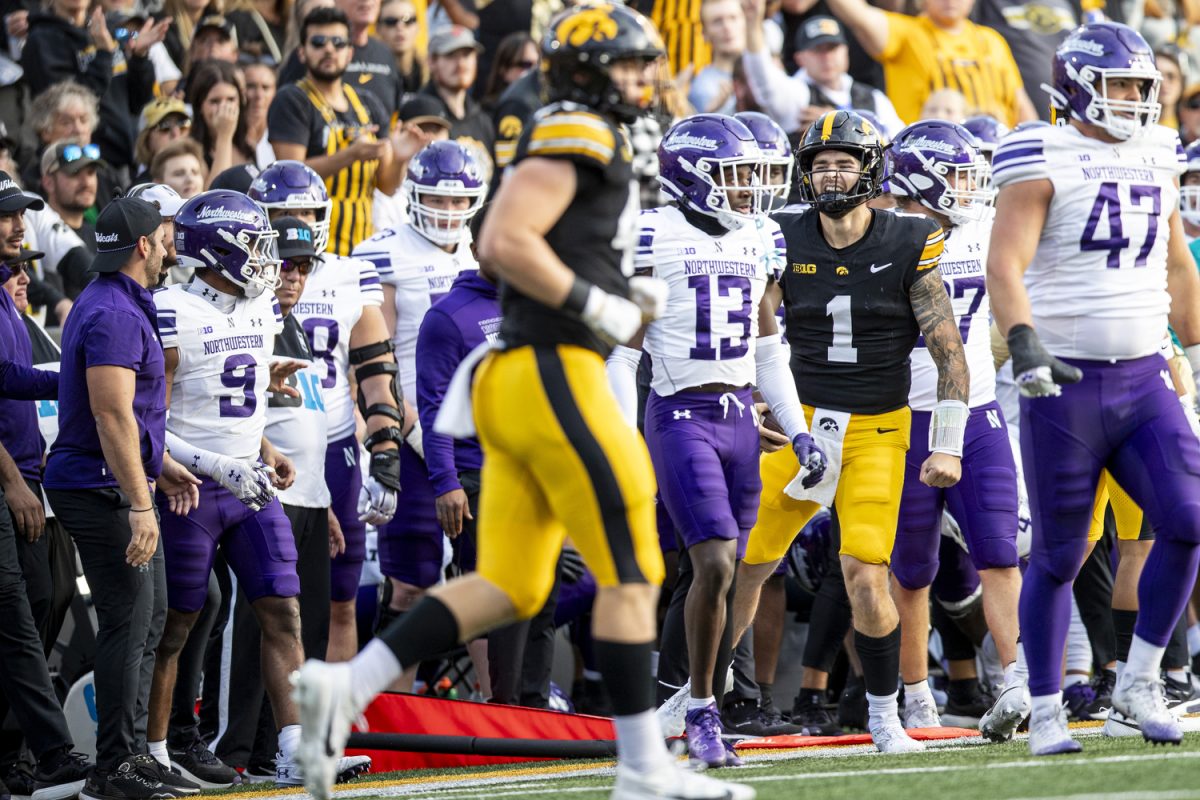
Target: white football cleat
point(322, 693)
point(671, 782)
point(1142, 701)
point(672, 715)
point(890, 737)
point(1118, 725)
point(1007, 713)
point(290, 773)
point(920, 711)
point(1048, 734)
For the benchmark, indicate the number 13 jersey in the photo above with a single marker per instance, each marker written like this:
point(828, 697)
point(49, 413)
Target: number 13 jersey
point(1098, 282)
point(848, 316)
point(716, 284)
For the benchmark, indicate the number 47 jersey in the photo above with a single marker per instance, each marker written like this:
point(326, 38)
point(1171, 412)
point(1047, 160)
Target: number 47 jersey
point(715, 286)
point(1098, 283)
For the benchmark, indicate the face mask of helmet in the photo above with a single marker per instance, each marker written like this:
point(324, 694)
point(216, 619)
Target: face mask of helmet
point(260, 270)
point(442, 226)
point(834, 202)
point(959, 188)
point(1189, 203)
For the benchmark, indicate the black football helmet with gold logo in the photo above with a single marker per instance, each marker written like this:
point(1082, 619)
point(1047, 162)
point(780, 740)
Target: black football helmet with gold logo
point(580, 46)
point(847, 132)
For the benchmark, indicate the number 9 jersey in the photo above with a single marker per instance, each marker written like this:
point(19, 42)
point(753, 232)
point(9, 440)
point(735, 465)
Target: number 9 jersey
point(1098, 283)
point(716, 284)
point(848, 314)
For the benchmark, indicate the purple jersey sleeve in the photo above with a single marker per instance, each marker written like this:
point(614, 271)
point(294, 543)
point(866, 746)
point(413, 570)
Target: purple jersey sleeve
point(440, 350)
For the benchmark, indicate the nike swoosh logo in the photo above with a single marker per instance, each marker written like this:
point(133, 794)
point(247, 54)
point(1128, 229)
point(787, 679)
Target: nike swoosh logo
point(881, 267)
point(886, 430)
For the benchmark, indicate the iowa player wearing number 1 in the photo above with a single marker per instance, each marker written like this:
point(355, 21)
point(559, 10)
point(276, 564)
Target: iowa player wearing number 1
point(556, 451)
point(1088, 263)
point(718, 337)
point(858, 288)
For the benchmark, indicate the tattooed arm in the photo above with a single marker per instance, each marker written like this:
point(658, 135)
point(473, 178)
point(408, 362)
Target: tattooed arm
point(935, 316)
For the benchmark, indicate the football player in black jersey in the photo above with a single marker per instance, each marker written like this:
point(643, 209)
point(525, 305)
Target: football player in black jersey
point(859, 287)
point(558, 456)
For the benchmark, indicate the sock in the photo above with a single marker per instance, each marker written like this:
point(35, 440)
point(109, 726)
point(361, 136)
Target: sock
point(1073, 678)
point(427, 630)
point(882, 710)
point(159, 751)
point(289, 741)
point(1178, 675)
point(1045, 705)
point(654, 662)
point(640, 745)
point(700, 702)
point(915, 690)
point(1123, 623)
point(621, 665)
point(880, 656)
point(764, 693)
point(1194, 640)
point(1143, 662)
point(372, 671)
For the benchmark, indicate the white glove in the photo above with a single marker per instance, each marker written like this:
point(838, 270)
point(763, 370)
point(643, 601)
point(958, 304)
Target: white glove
point(250, 482)
point(650, 295)
point(376, 503)
point(612, 316)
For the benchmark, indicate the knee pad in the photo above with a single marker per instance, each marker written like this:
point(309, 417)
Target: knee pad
point(1061, 560)
point(996, 553)
point(1184, 525)
point(913, 576)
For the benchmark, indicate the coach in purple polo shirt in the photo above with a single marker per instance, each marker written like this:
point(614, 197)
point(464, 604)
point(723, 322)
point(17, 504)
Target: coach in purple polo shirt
point(100, 476)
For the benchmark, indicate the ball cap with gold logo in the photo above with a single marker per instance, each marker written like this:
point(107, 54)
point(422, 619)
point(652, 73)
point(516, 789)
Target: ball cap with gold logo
point(817, 31)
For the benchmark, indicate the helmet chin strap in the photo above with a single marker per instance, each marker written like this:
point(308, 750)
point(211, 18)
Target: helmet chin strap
point(835, 204)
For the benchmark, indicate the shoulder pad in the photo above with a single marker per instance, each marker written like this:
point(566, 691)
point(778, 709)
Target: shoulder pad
point(931, 250)
point(573, 133)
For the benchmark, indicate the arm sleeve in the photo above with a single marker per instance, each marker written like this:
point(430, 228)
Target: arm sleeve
point(622, 369)
point(287, 117)
point(440, 349)
point(774, 379)
point(781, 97)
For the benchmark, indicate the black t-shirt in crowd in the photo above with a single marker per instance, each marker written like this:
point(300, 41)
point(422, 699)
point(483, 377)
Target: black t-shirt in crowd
point(372, 69)
point(475, 128)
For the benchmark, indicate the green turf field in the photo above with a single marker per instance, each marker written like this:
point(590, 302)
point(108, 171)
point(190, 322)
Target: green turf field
point(1108, 769)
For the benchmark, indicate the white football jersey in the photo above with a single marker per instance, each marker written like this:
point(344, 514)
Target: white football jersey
point(715, 286)
point(297, 425)
point(219, 392)
point(331, 306)
point(1098, 283)
point(421, 273)
point(962, 266)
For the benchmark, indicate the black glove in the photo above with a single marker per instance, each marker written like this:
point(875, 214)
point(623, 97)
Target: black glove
point(573, 567)
point(1037, 373)
point(385, 468)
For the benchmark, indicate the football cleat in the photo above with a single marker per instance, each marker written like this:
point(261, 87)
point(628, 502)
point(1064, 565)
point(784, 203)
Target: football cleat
point(966, 703)
point(811, 715)
point(704, 736)
point(1179, 692)
point(670, 782)
point(1006, 715)
point(1117, 725)
point(890, 737)
point(920, 711)
point(1048, 734)
point(1142, 700)
point(1078, 698)
point(671, 714)
point(322, 692)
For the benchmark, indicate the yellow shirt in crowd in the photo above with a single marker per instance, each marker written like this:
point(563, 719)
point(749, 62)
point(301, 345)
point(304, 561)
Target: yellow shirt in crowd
point(921, 58)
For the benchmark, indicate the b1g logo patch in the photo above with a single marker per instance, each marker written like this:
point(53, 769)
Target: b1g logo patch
point(804, 269)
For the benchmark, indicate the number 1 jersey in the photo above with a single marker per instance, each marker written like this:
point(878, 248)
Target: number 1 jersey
point(848, 315)
point(716, 284)
point(219, 391)
point(1098, 282)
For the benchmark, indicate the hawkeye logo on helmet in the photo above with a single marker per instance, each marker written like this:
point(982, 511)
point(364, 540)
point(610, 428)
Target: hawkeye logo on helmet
point(682, 140)
point(590, 25)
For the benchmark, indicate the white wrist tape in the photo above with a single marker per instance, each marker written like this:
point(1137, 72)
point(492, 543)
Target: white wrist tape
point(622, 367)
point(948, 427)
point(416, 438)
point(778, 386)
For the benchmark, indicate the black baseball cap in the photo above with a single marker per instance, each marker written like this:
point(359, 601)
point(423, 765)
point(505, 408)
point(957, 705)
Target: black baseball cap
point(295, 238)
point(237, 178)
point(424, 109)
point(819, 30)
point(122, 222)
point(12, 198)
point(217, 22)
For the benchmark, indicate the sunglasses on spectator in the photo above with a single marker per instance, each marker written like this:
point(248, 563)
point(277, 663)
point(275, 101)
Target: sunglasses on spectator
point(319, 40)
point(74, 152)
point(1193, 103)
point(171, 125)
point(305, 265)
point(391, 22)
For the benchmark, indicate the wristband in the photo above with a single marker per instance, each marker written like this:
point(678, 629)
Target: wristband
point(948, 427)
point(140, 510)
point(577, 298)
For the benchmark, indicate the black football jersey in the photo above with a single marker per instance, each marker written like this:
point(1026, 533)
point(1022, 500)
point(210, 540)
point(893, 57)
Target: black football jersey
point(594, 236)
point(848, 316)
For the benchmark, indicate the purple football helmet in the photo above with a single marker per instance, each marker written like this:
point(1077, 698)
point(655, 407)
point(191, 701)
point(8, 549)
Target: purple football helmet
point(229, 233)
point(291, 185)
point(938, 164)
point(776, 150)
point(1189, 195)
point(885, 135)
point(443, 169)
point(1084, 63)
point(988, 130)
point(700, 160)
point(808, 557)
